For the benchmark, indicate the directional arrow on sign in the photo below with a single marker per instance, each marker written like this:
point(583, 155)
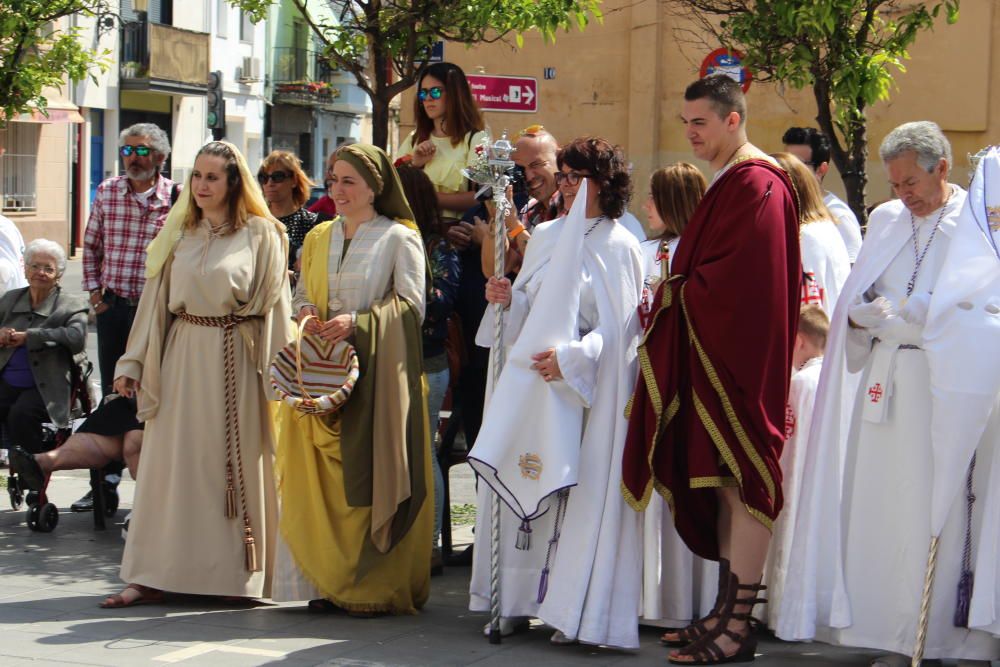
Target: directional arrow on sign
point(528, 95)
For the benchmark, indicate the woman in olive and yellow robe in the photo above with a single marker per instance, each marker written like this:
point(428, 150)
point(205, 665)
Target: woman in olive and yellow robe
point(355, 526)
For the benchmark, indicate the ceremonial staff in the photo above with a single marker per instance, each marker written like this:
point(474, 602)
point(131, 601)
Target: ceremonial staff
point(492, 170)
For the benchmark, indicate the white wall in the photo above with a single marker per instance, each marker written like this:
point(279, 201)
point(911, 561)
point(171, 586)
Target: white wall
point(244, 99)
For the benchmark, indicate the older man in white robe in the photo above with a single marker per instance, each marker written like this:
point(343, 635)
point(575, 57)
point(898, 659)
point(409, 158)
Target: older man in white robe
point(880, 518)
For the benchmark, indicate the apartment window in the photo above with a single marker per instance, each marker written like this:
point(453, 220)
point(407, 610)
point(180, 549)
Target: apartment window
point(222, 18)
point(19, 166)
point(246, 28)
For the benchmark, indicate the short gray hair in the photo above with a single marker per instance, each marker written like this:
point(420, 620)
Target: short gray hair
point(46, 247)
point(157, 137)
point(923, 137)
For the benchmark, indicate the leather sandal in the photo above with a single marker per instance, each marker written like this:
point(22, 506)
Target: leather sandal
point(145, 595)
point(685, 636)
point(705, 650)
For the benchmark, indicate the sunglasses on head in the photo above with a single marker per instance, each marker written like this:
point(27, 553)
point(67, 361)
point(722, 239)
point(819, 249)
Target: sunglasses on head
point(141, 151)
point(274, 176)
point(531, 131)
point(434, 93)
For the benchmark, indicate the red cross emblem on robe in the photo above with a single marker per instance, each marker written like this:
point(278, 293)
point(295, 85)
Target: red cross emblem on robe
point(812, 292)
point(875, 391)
point(789, 421)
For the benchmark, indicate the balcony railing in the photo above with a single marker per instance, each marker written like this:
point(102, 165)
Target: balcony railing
point(303, 77)
point(161, 57)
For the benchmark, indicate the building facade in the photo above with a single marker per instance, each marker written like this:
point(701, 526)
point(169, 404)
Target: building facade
point(624, 79)
point(315, 107)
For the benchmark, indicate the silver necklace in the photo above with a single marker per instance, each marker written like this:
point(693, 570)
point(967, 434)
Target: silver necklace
point(918, 255)
point(336, 304)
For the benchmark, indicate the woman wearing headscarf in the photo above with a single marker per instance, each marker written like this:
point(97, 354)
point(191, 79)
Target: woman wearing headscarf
point(214, 311)
point(355, 530)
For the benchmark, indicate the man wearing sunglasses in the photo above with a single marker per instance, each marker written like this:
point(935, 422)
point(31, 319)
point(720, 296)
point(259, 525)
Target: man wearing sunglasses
point(125, 215)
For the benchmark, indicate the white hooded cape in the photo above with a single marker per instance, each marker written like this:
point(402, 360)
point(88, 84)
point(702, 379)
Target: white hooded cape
point(962, 339)
point(595, 570)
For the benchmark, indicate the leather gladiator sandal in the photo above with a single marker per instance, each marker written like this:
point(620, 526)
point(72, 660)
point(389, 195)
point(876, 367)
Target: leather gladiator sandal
point(705, 650)
point(684, 636)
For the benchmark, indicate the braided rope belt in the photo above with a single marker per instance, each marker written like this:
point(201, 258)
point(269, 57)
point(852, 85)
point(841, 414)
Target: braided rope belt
point(227, 323)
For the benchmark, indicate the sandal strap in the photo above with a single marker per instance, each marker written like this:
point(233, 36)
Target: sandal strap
point(695, 630)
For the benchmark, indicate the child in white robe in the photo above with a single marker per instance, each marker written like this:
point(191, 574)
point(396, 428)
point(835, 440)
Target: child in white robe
point(807, 359)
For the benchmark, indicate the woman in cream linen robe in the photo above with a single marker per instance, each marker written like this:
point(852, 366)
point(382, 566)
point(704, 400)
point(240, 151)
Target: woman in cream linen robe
point(180, 538)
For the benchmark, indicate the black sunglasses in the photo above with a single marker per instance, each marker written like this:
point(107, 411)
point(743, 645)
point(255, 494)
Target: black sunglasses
point(275, 176)
point(434, 93)
point(140, 150)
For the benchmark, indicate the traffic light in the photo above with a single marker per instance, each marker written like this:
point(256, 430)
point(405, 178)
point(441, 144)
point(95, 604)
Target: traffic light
point(216, 117)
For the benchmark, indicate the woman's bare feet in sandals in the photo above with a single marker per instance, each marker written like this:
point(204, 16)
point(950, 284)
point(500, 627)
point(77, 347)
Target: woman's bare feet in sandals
point(133, 595)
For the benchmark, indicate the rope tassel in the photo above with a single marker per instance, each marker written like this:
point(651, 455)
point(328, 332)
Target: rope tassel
point(523, 541)
point(249, 547)
point(230, 494)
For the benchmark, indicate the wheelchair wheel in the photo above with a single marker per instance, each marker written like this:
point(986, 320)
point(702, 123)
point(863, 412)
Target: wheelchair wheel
point(15, 492)
point(44, 518)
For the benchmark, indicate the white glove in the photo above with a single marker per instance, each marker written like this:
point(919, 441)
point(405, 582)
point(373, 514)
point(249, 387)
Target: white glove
point(915, 310)
point(872, 313)
point(895, 328)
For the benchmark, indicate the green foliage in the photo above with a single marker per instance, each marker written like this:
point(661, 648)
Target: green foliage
point(35, 55)
point(371, 35)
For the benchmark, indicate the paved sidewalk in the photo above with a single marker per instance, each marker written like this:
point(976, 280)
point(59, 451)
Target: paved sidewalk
point(53, 582)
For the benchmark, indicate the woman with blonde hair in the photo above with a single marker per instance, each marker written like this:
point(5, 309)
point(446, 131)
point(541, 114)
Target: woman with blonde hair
point(286, 189)
point(356, 523)
point(214, 311)
point(825, 262)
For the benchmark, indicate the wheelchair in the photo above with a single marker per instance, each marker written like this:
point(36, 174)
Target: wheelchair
point(42, 515)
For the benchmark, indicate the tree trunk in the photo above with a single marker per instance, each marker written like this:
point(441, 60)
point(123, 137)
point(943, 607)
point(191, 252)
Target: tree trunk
point(380, 101)
point(380, 123)
point(856, 180)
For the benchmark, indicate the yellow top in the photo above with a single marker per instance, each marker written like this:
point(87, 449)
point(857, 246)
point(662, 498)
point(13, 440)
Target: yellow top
point(445, 168)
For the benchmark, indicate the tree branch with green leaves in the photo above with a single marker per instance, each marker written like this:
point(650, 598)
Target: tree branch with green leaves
point(35, 55)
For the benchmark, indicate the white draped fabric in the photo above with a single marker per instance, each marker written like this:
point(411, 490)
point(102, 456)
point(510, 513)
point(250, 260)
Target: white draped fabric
point(798, 420)
point(595, 569)
point(962, 338)
point(847, 224)
point(11, 257)
point(825, 264)
point(879, 518)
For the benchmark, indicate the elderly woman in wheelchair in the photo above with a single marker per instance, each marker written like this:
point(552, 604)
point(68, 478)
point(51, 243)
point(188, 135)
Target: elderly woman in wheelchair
point(42, 329)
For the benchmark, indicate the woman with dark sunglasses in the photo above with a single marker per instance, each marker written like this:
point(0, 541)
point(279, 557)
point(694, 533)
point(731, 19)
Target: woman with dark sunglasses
point(286, 189)
point(449, 128)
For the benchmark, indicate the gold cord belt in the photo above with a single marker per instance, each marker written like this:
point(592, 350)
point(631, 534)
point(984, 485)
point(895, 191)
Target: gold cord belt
point(227, 323)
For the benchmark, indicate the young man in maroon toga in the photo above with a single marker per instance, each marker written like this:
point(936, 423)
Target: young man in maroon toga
point(706, 423)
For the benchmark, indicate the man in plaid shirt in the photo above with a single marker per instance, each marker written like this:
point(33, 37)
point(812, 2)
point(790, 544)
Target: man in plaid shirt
point(126, 214)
